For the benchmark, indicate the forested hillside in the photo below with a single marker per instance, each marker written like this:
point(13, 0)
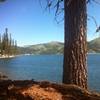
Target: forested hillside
point(56, 48)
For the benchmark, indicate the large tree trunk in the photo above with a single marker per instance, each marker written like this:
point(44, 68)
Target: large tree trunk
point(75, 47)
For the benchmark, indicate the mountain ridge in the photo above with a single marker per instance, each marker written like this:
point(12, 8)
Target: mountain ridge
point(94, 45)
point(56, 47)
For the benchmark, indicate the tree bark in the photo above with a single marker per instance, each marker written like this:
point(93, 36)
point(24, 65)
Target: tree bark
point(75, 46)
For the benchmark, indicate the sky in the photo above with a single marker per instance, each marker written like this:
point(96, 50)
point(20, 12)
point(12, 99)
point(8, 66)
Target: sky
point(29, 23)
point(93, 9)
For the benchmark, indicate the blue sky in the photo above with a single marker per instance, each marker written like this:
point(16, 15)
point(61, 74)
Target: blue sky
point(30, 24)
point(93, 9)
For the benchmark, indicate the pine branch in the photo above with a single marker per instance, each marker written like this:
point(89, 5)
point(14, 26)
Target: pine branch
point(96, 1)
point(2, 0)
point(93, 18)
point(98, 29)
point(97, 26)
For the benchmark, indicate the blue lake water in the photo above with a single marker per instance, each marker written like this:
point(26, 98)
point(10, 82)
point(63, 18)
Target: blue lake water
point(47, 67)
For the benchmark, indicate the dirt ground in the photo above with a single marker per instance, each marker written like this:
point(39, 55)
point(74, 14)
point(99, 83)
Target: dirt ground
point(32, 90)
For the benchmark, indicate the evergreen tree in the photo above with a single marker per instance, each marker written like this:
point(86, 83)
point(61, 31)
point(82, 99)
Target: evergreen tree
point(8, 46)
point(75, 47)
point(0, 45)
point(6, 42)
point(3, 44)
point(15, 47)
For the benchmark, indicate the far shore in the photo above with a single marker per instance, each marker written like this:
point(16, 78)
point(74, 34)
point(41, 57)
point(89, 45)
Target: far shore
point(93, 53)
point(6, 56)
point(12, 56)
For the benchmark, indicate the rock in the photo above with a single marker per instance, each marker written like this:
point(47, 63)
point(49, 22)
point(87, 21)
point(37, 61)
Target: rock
point(32, 90)
point(3, 77)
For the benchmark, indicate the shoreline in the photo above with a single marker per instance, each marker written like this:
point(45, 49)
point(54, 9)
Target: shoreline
point(93, 53)
point(38, 90)
point(6, 56)
point(12, 56)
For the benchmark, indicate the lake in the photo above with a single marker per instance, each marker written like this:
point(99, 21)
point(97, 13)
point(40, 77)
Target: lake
point(47, 67)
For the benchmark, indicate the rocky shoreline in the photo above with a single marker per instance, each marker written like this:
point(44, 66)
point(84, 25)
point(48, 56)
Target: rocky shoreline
point(6, 56)
point(33, 90)
point(3, 76)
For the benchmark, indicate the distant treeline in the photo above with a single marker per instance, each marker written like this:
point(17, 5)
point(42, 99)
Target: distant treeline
point(8, 46)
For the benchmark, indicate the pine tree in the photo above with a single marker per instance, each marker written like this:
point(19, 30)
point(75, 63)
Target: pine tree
point(75, 45)
point(0, 45)
point(8, 46)
point(6, 42)
point(15, 47)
